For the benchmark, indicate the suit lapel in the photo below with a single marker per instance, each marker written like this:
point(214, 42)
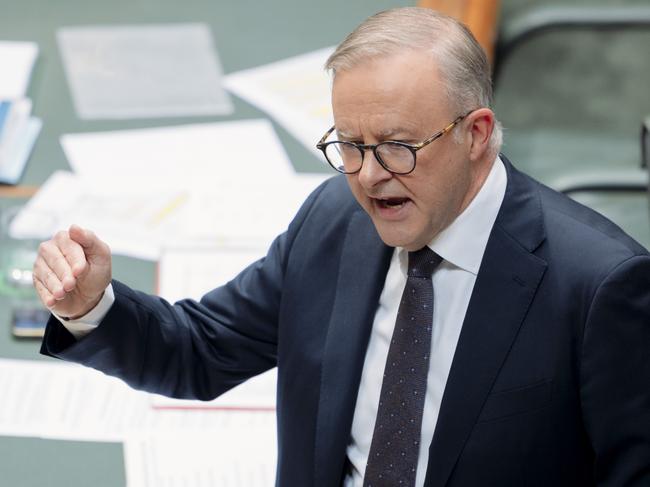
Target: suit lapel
point(505, 286)
point(364, 264)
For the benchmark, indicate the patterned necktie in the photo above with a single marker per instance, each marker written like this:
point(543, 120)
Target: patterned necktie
point(395, 447)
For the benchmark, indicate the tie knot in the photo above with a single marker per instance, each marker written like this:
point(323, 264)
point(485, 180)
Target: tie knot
point(423, 262)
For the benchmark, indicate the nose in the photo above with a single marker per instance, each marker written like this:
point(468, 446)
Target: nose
point(372, 173)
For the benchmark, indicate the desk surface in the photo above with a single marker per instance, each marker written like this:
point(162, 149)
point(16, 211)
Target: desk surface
point(246, 34)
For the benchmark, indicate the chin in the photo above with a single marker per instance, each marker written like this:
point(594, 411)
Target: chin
point(405, 236)
point(395, 238)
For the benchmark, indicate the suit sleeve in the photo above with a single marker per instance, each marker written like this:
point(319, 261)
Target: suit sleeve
point(190, 349)
point(615, 376)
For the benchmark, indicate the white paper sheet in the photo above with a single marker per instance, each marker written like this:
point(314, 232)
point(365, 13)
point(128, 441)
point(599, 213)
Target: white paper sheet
point(255, 395)
point(17, 61)
point(295, 92)
point(203, 460)
point(239, 183)
point(132, 221)
point(140, 222)
point(248, 214)
point(140, 190)
point(136, 71)
point(193, 270)
point(56, 400)
point(177, 446)
point(68, 402)
point(186, 156)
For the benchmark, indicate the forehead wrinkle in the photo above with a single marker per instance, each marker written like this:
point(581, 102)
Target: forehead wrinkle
point(381, 134)
point(393, 132)
point(377, 126)
point(345, 134)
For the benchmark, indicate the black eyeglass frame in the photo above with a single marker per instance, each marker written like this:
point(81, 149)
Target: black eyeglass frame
point(322, 145)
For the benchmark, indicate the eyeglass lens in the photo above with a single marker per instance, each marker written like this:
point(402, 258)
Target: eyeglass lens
point(348, 158)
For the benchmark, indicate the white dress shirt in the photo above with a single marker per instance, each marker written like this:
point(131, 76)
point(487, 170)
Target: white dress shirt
point(461, 245)
point(88, 322)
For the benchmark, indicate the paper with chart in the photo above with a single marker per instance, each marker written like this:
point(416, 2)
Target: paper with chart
point(294, 91)
point(69, 402)
point(58, 400)
point(164, 446)
point(143, 71)
point(229, 183)
point(141, 222)
point(132, 221)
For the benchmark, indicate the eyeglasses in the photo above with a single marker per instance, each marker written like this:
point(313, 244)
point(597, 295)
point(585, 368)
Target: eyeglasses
point(394, 156)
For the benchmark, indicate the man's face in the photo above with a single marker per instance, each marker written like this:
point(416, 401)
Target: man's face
point(402, 98)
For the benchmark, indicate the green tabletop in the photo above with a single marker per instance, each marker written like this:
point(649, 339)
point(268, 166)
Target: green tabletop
point(32, 462)
point(246, 34)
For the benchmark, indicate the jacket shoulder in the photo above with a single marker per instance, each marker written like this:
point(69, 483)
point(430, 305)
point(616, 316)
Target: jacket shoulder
point(583, 227)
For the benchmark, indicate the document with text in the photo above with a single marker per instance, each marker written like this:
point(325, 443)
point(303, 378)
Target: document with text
point(294, 91)
point(172, 444)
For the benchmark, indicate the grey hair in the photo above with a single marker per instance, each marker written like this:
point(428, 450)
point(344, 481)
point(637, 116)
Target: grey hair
point(461, 61)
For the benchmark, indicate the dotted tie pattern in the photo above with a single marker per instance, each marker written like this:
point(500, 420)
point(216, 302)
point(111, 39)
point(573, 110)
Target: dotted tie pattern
point(395, 446)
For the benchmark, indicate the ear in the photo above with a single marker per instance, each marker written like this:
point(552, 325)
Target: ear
point(481, 124)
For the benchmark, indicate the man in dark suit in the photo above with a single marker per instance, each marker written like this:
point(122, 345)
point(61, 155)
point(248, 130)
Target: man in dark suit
point(535, 366)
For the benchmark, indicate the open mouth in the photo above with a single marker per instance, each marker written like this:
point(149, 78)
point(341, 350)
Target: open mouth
point(392, 203)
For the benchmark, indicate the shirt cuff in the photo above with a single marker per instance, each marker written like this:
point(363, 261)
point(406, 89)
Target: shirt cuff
point(88, 322)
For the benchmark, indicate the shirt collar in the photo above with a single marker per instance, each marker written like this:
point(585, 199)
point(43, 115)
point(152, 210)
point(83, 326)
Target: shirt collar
point(463, 242)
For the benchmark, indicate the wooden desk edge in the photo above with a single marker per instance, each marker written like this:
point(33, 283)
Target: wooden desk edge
point(17, 191)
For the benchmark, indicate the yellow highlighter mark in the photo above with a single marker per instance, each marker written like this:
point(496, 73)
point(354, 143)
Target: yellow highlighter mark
point(165, 211)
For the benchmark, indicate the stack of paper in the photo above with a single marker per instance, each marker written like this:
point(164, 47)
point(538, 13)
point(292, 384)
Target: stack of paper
point(227, 183)
point(230, 184)
point(229, 442)
point(18, 129)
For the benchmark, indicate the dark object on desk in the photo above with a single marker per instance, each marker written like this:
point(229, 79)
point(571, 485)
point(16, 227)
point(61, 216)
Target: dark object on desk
point(29, 322)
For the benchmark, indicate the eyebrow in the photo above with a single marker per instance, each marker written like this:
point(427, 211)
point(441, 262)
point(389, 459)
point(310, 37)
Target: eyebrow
point(385, 134)
point(392, 132)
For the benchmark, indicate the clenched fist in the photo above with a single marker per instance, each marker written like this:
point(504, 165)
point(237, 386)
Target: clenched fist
point(71, 272)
